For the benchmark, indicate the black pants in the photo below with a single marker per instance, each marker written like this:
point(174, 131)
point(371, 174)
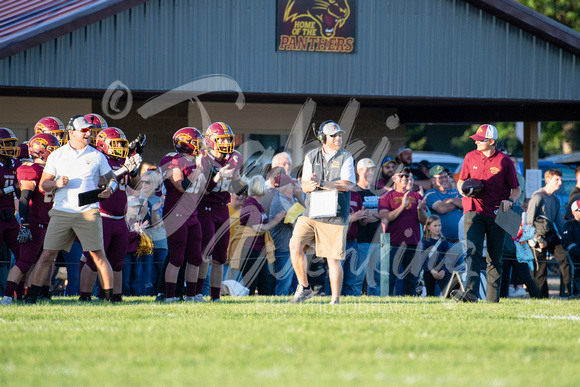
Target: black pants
point(256, 273)
point(541, 274)
point(512, 266)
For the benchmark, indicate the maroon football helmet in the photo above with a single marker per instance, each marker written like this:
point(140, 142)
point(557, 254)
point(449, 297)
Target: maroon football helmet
point(99, 122)
point(53, 126)
point(42, 145)
point(188, 141)
point(8, 143)
point(112, 142)
point(217, 131)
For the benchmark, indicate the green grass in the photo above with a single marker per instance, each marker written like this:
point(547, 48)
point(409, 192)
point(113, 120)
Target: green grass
point(266, 342)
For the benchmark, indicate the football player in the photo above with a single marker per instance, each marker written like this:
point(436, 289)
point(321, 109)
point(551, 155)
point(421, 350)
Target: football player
point(213, 208)
point(53, 126)
point(183, 183)
point(33, 207)
point(114, 145)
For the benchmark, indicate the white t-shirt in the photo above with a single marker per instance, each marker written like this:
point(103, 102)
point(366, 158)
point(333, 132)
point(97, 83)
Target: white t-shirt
point(83, 168)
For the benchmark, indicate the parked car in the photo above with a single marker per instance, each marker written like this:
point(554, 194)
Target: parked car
point(446, 160)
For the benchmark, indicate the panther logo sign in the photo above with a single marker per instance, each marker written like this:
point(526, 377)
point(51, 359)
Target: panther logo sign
point(327, 15)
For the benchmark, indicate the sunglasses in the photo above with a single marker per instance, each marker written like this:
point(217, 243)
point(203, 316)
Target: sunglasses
point(486, 140)
point(339, 134)
point(404, 176)
point(83, 130)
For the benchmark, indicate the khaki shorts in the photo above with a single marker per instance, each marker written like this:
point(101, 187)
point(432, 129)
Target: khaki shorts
point(64, 226)
point(330, 239)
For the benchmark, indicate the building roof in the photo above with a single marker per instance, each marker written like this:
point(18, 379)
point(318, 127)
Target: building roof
point(28, 23)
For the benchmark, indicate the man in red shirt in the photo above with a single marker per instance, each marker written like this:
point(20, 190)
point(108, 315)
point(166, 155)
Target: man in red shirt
point(500, 190)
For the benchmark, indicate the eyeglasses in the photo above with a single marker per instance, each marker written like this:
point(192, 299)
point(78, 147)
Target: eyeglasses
point(405, 176)
point(440, 177)
point(146, 181)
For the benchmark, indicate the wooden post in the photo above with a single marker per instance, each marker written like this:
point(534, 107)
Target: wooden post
point(385, 264)
point(531, 145)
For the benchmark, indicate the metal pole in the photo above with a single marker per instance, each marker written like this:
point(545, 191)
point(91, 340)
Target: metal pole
point(385, 263)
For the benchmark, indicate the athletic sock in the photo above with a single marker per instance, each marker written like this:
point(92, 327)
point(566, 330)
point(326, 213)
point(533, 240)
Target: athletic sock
point(10, 288)
point(190, 289)
point(108, 294)
point(45, 291)
point(199, 286)
point(214, 293)
point(170, 289)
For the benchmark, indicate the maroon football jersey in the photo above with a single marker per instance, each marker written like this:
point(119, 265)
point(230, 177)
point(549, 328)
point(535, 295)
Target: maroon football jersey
point(175, 201)
point(116, 204)
point(220, 192)
point(41, 201)
point(8, 178)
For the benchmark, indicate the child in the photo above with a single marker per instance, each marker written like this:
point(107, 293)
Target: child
point(434, 248)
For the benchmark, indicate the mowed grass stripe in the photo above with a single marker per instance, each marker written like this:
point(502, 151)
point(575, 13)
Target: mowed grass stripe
point(264, 341)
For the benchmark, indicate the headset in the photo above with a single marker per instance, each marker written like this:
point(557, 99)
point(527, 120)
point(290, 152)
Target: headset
point(319, 134)
point(70, 126)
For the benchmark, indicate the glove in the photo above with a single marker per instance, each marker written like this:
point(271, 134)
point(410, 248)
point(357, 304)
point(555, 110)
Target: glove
point(138, 144)
point(24, 235)
point(133, 162)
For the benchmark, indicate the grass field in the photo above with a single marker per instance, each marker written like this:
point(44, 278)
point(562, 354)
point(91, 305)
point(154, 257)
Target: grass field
point(264, 341)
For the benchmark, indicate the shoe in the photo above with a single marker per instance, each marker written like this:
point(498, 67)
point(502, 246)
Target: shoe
point(519, 292)
point(217, 300)
point(197, 298)
point(160, 297)
point(6, 300)
point(301, 295)
point(461, 296)
point(172, 299)
point(334, 302)
point(85, 299)
point(30, 300)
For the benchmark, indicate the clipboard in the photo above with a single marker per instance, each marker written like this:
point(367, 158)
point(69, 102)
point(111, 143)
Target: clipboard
point(90, 197)
point(323, 203)
point(509, 221)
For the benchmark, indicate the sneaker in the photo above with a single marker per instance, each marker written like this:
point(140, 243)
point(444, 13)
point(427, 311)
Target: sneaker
point(217, 300)
point(519, 292)
point(461, 296)
point(160, 297)
point(302, 295)
point(6, 300)
point(334, 302)
point(197, 298)
point(85, 299)
point(172, 299)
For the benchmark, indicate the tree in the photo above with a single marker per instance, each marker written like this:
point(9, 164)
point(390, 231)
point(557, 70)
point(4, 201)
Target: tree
point(563, 11)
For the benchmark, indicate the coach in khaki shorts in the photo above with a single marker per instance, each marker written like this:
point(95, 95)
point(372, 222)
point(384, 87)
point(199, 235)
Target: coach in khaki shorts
point(72, 169)
point(328, 169)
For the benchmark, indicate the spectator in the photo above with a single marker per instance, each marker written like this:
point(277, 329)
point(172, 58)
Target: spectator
point(283, 200)
point(435, 270)
point(133, 279)
point(384, 182)
point(405, 157)
point(234, 207)
point(283, 160)
point(544, 214)
point(444, 202)
point(500, 191)
point(152, 200)
point(354, 267)
point(272, 174)
point(402, 212)
point(253, 219)
point(574, 195)
point(423, 166)
point(511, 265)
point(571, 240)
point(368, 228)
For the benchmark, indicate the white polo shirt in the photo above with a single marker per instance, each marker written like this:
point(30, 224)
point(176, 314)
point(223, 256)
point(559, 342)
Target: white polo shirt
point(83, 168)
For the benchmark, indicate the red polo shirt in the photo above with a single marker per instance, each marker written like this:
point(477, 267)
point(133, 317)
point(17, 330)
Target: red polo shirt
point(498, 175)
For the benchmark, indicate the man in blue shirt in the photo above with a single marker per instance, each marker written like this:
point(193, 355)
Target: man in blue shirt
point(444, 202)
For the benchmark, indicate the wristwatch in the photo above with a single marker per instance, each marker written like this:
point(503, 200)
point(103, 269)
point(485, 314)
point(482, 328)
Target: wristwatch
point(512, 200)
point(321, 183)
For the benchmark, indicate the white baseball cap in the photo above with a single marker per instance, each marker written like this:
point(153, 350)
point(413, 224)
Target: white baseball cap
point(365, 163)
point(331, 128)
point(79, 123)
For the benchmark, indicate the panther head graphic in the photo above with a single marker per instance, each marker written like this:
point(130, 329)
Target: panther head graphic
point(329, 15)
